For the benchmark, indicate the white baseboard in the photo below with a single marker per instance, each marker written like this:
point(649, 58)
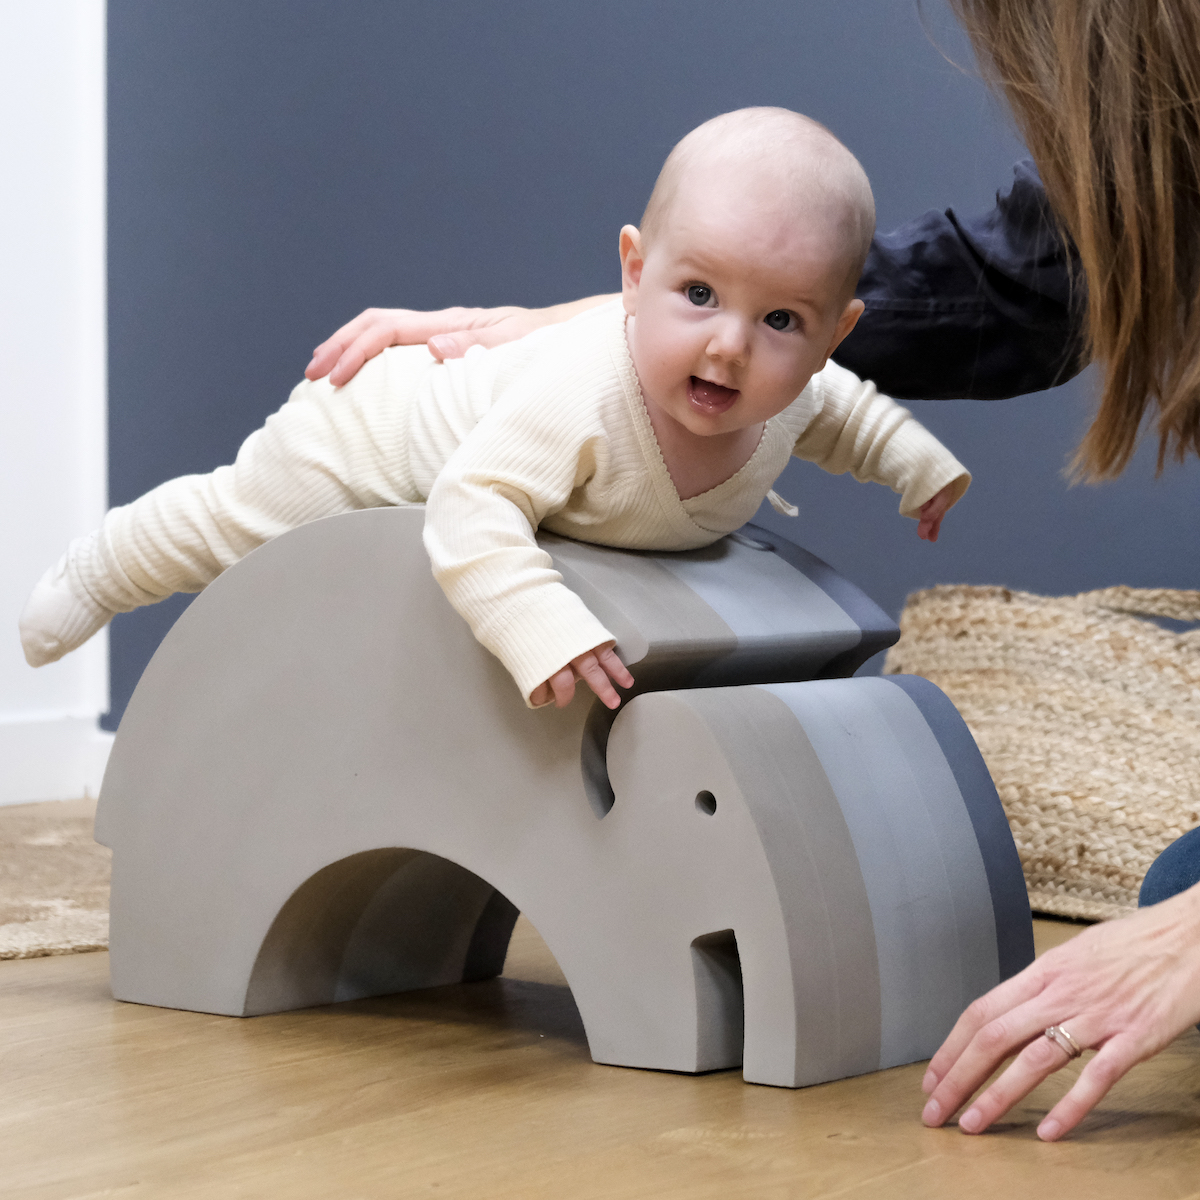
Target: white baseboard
point(51, 758)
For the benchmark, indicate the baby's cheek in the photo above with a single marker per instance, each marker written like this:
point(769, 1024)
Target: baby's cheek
point(787, 380)
point(665, 367)
point(802, 367)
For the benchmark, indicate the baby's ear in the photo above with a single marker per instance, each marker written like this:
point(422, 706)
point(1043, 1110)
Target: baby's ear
point(632, 261)
point(846, 322)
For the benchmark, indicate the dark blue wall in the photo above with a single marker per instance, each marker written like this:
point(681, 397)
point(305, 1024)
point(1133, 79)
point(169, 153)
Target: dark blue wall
point(277, 165)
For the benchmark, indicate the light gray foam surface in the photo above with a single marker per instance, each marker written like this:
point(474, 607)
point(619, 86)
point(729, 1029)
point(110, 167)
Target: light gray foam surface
point(327, 791)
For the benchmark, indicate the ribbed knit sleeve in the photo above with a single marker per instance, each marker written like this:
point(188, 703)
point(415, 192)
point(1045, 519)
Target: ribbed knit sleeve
point(864, 432)
point(520, 464)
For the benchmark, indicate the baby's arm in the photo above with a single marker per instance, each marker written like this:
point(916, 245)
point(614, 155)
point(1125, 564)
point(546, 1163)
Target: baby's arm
point(520, 464)
point(868, 434)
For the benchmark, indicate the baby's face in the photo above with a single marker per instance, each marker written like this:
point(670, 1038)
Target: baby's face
point(737, 302)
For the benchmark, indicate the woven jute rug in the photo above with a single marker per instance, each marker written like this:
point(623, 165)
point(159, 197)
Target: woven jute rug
point(1088, 717)
point(53, 880)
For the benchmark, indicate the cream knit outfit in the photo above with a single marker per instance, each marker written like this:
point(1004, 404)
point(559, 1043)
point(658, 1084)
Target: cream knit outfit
point(548, 431)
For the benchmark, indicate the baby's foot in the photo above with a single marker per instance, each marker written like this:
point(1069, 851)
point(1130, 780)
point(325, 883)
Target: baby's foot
point(55, 620)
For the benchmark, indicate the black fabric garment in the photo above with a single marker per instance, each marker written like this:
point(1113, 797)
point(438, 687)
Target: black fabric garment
point(979, 309)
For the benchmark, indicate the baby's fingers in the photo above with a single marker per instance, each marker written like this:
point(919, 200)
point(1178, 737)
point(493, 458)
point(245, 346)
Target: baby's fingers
point(616, 670)
point(595, 669)
point(562, 685)
point(588, 668)
point(597, 666)
point(932, 512)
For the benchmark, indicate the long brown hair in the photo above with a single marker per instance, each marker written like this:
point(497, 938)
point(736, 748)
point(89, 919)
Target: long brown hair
point(1107, 96)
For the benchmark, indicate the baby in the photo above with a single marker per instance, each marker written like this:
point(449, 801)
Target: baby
point(659, 422)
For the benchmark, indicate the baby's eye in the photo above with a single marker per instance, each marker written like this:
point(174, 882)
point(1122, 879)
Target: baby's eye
point(699, 295)
point(780, 319)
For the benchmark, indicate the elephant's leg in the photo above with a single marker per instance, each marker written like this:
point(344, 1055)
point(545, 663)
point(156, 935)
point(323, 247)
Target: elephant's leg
point(666, 1008)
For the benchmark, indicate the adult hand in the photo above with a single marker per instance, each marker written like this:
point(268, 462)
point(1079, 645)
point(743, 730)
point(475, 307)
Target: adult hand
point(448, 333)
point(595, 668)
point(932, 512)
point(1124, 988)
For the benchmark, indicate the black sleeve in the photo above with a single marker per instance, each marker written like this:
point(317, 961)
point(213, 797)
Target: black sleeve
point(980, 309)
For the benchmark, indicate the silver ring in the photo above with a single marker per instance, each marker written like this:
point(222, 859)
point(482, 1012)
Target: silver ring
point(1064, 1041)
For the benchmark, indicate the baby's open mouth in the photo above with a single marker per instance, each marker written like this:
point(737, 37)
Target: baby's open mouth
point(711, 397)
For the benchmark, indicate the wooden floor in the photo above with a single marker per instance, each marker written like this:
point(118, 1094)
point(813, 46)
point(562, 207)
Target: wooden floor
point(487, 1090)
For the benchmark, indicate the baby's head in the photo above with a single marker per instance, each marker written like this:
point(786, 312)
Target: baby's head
point(740, 281)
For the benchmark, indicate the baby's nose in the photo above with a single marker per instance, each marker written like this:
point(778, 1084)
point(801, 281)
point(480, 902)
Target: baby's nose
point(729, 340)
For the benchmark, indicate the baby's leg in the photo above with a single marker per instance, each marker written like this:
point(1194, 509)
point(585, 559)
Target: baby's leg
point(323, 453)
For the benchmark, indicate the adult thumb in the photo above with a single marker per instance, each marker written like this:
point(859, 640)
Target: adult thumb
point(453, 345)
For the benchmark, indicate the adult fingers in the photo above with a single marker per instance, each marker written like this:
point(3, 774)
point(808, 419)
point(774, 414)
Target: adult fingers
point(1114, 1059)
point(1014, 1031)
point(486, 327)
point(1040, 1058)
point(374, 340)
point(412, 327)
point(444, 334)
point(326, 355)
point(986, 1011)
point(455, 345)
point(447, 332)
point(323, 360)
point(378, 328)
point(374, 329)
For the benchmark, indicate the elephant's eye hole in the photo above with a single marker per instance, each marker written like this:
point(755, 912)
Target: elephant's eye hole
point(706, 803)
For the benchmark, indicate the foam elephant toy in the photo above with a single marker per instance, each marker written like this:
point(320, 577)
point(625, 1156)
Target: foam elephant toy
point(324, 789)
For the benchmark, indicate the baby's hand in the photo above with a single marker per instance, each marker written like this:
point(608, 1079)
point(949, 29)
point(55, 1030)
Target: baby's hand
point(932, 512)
point(595, 668)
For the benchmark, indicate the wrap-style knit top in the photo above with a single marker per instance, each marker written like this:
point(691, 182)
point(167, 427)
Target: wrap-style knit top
point(552, 432)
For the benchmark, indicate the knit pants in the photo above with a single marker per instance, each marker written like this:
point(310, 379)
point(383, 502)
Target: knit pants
point(326, 451)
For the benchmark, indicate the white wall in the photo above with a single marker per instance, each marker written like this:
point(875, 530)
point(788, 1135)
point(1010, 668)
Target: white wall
point(52, 349)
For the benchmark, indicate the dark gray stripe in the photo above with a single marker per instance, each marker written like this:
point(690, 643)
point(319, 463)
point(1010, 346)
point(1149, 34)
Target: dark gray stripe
point(815, 870)
point(1006, 880)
